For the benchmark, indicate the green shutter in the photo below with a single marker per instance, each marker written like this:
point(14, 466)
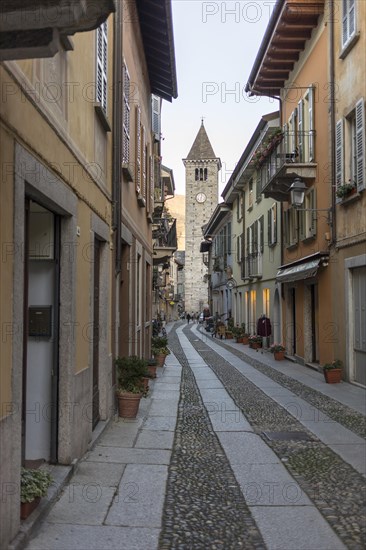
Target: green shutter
point(360, 145)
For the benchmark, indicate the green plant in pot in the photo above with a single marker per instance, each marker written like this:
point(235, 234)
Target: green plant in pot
point(278, 351)
point(333, 371)
point(33, 486)
point(130, 372)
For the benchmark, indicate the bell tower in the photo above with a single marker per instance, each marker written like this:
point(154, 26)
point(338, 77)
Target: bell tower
point(202, 171)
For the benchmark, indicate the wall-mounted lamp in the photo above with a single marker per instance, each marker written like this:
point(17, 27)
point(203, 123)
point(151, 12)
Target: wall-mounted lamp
point(297, 193)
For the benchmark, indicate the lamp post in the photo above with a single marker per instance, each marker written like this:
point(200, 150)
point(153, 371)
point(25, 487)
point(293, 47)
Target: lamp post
point(297, 194)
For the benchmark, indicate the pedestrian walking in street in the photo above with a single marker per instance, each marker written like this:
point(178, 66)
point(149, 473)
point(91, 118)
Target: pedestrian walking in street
point(188, 318)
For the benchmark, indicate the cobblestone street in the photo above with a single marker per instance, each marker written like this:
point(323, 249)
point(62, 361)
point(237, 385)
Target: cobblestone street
point(230, 450)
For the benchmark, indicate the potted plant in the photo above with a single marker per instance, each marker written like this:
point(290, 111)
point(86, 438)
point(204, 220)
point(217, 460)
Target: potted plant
point(33, 486)
point(255, 341)
point(159, 348)
point(130, 371)
point(152, 365)
point(278, 351)
point(345, 189)
point(333, 371)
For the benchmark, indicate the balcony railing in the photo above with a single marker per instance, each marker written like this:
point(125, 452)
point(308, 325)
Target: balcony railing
point(253, 265)
point(283, 160)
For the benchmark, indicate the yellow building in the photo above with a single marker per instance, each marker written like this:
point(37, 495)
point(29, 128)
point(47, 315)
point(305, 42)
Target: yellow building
point(79, 155)
point(292, 65)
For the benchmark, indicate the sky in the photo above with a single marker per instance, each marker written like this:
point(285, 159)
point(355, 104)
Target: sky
point(216, 44)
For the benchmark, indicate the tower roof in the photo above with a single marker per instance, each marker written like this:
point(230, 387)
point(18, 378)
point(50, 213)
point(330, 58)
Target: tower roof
point(201, 148)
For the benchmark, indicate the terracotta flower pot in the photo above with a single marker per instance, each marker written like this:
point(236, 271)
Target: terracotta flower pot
point(245, 340)
point(332, 376)
point(26, 508)
point(128, 404)
point(152, 370)
point(145, 383)
point(160, 358)
point(279, 355)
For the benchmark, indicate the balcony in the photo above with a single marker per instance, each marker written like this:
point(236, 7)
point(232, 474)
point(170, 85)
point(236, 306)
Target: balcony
point(165, 240)
point(35, 28)
point(284, 160)
point(253, 265)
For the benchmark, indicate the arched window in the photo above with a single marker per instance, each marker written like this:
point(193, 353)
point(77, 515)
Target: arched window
point(205, 174)
point(201, 174)
point(196, 174)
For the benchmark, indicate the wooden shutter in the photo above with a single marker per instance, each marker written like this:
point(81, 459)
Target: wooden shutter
point(102, 45)
point(269, 227)
point(300, 130)
point(138, 150)
point(261, 234)
point(155, 116)
point(311, 123)
point(348, 20)
point(126, 116)
point(151, 184)
point(313, 216)
point(143, 162)
point(360, 145)
point(286, 229)
point(229, 238)
point(339, 154)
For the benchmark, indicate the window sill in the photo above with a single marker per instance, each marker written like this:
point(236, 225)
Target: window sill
point(308, 239)
point(349, 45)
point(250, 208)
point(150, 218)
point(127, 172)
point(103, 119)
point(350, 199)
point(291, 246)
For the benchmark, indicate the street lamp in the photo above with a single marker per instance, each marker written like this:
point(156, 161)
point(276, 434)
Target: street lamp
point(297, 192)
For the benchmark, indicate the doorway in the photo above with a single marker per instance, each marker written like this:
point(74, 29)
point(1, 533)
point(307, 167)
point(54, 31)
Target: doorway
point(96, 332)
point(40, 335)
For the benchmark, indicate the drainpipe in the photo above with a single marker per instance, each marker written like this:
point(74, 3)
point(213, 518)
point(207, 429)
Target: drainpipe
point(332, 121)
point(116, 173)
point(117, 135)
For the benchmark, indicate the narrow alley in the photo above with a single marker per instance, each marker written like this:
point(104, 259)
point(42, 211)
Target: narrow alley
point(229, 450)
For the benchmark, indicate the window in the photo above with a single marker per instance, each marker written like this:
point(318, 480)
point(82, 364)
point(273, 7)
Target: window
point(307, 216)
point(156, 116)
point(101, 94)
point(348, 20)
point(151, 184)
point(229, 238)
point(304, 148)
point(350, 148)
point(126, 116)
point(138, 150)
point(250, 204)
point(290, 227)
point(205, 174)
point(196, 174)
point(266, 301)
point(240, 207)
point(272, 225)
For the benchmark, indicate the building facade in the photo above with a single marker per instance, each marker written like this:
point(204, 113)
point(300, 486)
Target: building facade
point(256, 236)
point(80, 157)
point(348, 331)
point(202, 169)
point(293, 65)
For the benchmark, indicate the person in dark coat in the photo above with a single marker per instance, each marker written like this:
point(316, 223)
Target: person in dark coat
point(188, 318)
point(264, 327)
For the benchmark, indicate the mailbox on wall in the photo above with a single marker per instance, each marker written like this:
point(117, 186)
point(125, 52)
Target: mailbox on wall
point(40, 321)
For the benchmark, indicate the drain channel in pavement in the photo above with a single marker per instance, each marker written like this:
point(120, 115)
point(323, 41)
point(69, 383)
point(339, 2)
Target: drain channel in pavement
point(204, 507)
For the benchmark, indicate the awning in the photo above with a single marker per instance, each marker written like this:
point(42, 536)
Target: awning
point(298, 272)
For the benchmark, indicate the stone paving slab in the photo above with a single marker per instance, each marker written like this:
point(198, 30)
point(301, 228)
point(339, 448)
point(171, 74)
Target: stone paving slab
point(224, 420)
point(166, 386)
point(355, 455)
point(269, 485)
point(246, 448)
point(153, 439)
point(161, 423)
point(106, 475)
point(84, 505)
point(164, 394)
point(80, 537)
point(121, 434)
point(129, 456)
point(295, 527)
point(141, 497)
point(164, 407)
